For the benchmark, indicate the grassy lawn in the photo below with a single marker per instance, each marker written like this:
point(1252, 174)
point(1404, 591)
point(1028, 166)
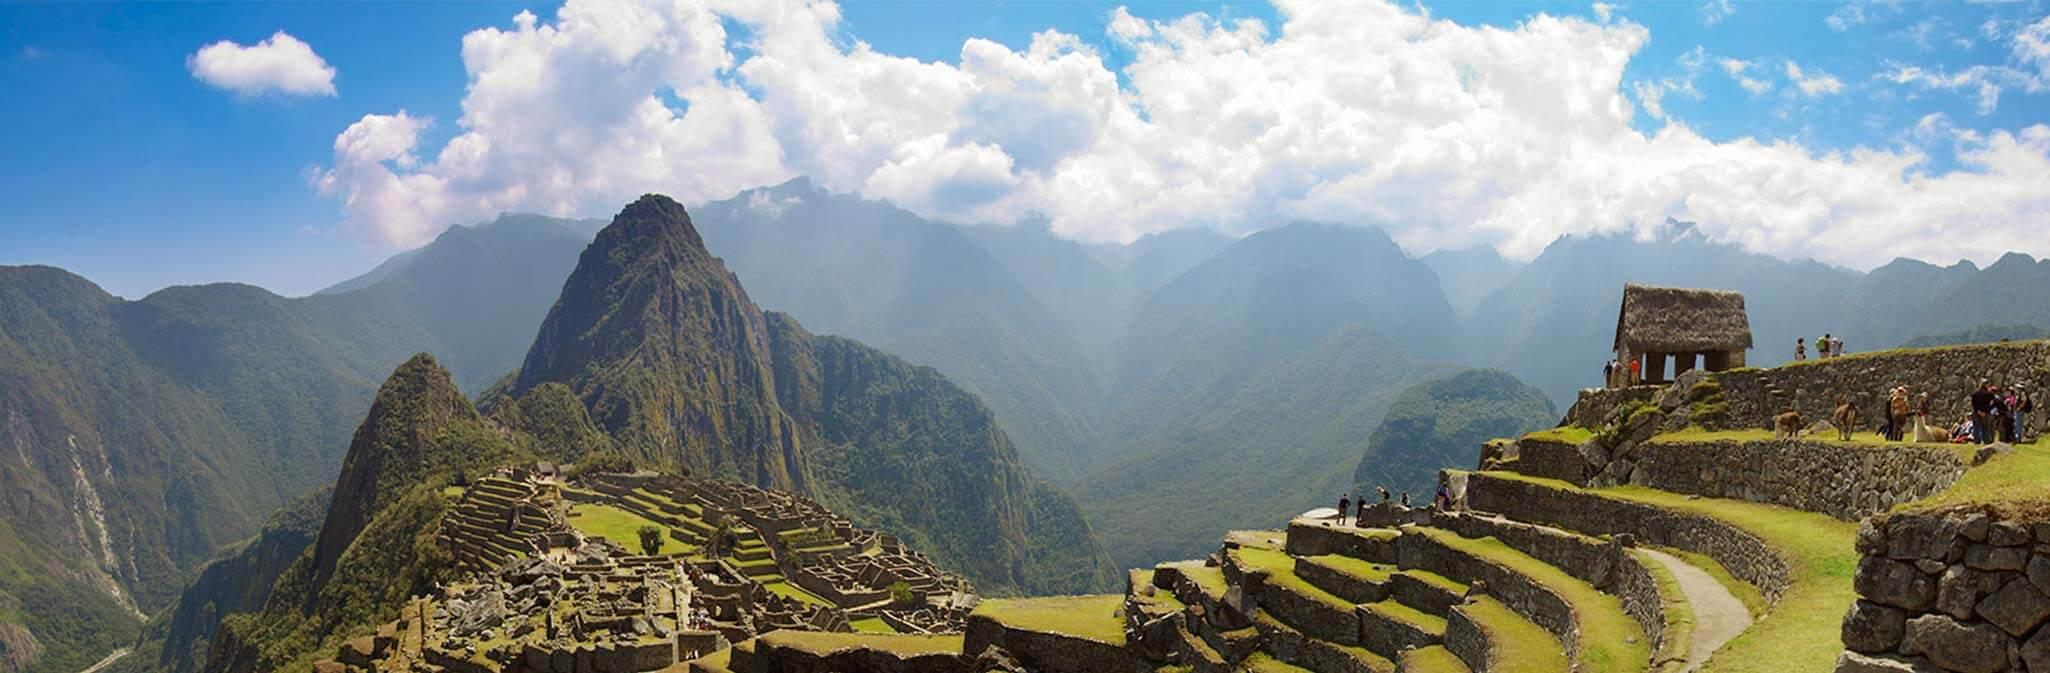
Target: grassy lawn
point(821, 643)
point(618, 525)
point(1609, 639)
point(870, 625)
point(2014, 483)
point(792, 591)
point(1423, 621)
point(1352, 567)
point(1801, 634)
point(1860, 438)
point(1260, 662)
point(1094, 618)
point(1209, 580)
point(1520, 646)
point(1571, 434)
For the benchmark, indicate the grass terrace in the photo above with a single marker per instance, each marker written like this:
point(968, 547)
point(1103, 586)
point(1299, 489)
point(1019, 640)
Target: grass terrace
point(1570, 434)
point(1520, 646)
point(1094, 618)
point(1280, 569)
point(1811, 362)
point(874, 625)
point(1859, 438)
point(1433, 659)
point(1609, 639)
point(792, 591)
point(618, 525)
point(1261, 662)
point(1803, 633)
point(821, 643)
point(2015, 483)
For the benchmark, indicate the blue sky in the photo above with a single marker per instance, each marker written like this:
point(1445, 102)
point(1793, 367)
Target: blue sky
point(123, 165)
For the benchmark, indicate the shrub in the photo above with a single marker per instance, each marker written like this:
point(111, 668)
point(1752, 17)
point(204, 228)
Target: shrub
point(651, 540)
point(902, 596)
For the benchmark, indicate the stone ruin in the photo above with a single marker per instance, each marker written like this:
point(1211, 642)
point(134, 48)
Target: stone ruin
point(540, 596)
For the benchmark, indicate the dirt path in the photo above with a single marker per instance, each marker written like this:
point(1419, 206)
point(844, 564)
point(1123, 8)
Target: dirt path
point(116, 655)
point(1718, 615)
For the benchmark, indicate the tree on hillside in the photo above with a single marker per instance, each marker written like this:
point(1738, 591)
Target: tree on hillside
point(651, 540)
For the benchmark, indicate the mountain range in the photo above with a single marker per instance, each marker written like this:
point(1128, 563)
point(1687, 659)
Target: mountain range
point(1175, 386)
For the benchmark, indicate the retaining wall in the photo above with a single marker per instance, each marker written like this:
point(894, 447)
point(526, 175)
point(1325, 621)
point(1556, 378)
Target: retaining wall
point(1846, 481)
point(1746, 556)
point(1948, 374)
point(1607, 566)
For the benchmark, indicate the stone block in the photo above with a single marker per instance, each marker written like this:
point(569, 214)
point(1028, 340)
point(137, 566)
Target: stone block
point(1853, 662)
point(2036, 652)
point(1894, 583)
point(2039, 572)
point(1873, 628)
point(1956, 646)
point(2008, 534)
point(1957, 593)
point(1987, 557)
point(1920, 537)
point(2016, 608)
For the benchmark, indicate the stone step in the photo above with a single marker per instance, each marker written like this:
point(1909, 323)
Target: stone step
point(1488, 637)
point(1346, 577)
point(1199, 656)
point(1319, 656)
point(1592, 625)
point(1389, 627)
point(1270, 577)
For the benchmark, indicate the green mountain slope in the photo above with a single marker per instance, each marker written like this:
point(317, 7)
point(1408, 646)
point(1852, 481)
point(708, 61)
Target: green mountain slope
point(1444, 422)
point(374, 548)
point(674, 361)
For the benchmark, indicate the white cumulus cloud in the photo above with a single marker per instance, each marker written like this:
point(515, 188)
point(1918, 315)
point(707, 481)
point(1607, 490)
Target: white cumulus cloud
point(279, 64)
point(1813, 82)
point(1367, 111)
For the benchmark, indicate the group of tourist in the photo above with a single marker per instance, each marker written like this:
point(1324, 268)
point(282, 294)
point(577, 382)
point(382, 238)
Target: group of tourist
point(1617, 374)
point(1997, 415)
point(1826, 347)
point(1349, 510)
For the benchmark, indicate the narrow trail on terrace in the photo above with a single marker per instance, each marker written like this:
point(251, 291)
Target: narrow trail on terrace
point(116, 655)
point(1718, 615)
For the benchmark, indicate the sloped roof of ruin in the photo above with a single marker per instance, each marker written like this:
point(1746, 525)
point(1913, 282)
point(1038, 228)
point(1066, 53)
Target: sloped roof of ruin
point(1681, 320)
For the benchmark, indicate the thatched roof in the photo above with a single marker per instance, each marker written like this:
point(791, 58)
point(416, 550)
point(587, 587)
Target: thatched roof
point(1681, 320)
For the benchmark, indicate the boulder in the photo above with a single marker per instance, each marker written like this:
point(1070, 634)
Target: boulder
point(1954, 646)
point(1957, 594)
point(1894, 583)
point(2016, 608)
point(1873, 628)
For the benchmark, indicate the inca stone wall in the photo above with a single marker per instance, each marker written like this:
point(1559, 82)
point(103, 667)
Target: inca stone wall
point(1846, 481)
point(1966, 591)
point(1595, 404)
point(1746, 556)
point(1948, 374)
point(1607, 566)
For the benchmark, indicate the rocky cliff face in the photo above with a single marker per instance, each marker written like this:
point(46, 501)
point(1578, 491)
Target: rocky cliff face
point(668, 352)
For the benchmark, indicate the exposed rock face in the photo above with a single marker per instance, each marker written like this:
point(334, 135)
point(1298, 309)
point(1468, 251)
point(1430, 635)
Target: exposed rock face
point(1949, 591)
point(668, 352)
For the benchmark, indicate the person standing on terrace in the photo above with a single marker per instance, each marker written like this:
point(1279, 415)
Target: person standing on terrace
point(1800, 349)
point(1982, 413)
point(1344, 504)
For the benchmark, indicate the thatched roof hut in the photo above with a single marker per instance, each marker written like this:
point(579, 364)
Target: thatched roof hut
point(1681, 320)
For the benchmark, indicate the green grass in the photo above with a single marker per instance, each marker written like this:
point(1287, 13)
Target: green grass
point(1094, 618)
point(1424, 621)
point(1207, 579)
point(1518, 645)
point(1346, 565)
point(817, 642)
point(1679, 612)
point(717, 662)
point(1754, 602)
point(870, 625)
point(1436, 580)
point(2021, 477)
point(1163, 598)
point(1433, 659)
point(617, 525)
point(1803, 632)
point(1260, 662)
point(1812, 362)
point(1571, 434)
point(1698, 434)
point(792, 591)
point(1280, 571)
point(1609, 639)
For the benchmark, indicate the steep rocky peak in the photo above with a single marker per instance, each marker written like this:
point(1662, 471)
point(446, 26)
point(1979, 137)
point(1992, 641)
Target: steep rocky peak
point(651, 222)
